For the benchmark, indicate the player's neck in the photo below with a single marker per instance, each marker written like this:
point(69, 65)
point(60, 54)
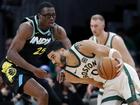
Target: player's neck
point(101, 39)
point(42, 26)
point(71, 59)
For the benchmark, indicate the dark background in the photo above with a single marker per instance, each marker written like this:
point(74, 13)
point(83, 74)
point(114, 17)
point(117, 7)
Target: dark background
point(122, 17)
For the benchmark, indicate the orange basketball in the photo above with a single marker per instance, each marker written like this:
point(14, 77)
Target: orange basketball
point(107, 69)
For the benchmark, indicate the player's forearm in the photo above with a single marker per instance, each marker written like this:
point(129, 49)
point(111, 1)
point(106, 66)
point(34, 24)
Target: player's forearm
point(94, 83)
point(114, 54)
point(101, 50)
point(19, 61)
point(68, 43)
point(128, 59)
point(73, 79)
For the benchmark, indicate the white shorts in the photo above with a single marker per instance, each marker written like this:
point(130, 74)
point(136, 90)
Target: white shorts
point(125, 87)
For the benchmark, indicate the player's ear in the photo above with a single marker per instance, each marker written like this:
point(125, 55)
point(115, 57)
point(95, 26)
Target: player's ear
point(62, 49)
point(38, 14)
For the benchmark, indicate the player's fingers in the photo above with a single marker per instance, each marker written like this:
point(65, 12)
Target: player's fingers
point(89, 89)
point(60, 77)
point(118, 73)
point(120, 63)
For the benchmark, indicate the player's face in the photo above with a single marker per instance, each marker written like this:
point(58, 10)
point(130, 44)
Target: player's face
point(96, 26)
point(47, 16)
point(57, 58)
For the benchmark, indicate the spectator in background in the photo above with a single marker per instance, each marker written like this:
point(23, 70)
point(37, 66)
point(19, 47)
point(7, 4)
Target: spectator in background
point(47, 69)
point(6, 96)
point(68, 94)
point(48, 83)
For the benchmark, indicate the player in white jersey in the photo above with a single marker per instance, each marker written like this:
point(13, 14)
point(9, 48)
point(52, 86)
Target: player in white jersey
point(109, 39)
point(80, 64)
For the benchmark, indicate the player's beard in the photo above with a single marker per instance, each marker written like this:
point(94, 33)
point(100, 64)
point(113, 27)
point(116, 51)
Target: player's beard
point(63, 60)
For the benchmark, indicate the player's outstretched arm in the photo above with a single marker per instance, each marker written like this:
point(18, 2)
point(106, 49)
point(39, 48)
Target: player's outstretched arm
point(71, 78)
point(119, 45)
point(24, 32)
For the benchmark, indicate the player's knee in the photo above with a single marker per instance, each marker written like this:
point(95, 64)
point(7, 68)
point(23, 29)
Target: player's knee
point(44, 95)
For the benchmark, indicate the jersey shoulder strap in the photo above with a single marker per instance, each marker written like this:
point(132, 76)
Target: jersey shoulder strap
point(93, 38)
point(76, 52)
point(111, 35)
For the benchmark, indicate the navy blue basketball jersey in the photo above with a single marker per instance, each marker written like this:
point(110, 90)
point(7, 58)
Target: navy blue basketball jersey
point(36, 45)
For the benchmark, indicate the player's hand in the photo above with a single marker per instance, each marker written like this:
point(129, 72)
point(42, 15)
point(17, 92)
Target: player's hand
point(40, 73)
point(120, 64)
point(61, 77)
point(70, 86)
point(89, 89)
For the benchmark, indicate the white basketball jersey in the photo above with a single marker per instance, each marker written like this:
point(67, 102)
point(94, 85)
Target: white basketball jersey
point(87, 67)
point(109, 39)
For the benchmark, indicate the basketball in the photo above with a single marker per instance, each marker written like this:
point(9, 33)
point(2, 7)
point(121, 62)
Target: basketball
point(107, 68)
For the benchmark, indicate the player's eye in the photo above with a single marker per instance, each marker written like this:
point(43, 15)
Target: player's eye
point(95, 26)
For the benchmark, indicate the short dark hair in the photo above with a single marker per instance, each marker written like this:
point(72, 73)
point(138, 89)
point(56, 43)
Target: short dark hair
point(54, 46)
point(44, 4)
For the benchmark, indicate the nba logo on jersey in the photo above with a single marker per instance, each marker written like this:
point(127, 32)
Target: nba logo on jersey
point(84, 60)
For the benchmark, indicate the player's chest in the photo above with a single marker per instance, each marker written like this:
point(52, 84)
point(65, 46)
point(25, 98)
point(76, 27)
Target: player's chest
point(86, 68)
point(40, 39)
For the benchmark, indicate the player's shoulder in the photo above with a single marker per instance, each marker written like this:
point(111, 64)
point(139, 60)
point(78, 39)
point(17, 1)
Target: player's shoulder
point(58, 29)
point(91, 38)
point(25, 29)
point(26, 25)
point(84, 42)
point(116, 37)
point(28, 19)
point(112, 33)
